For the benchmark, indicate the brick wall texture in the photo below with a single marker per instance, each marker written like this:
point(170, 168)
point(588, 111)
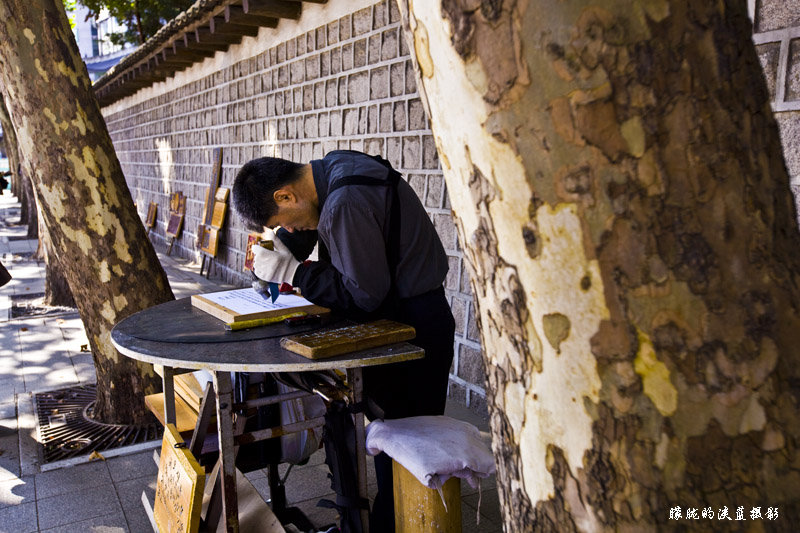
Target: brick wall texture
point(347, 84)
point(776, 33)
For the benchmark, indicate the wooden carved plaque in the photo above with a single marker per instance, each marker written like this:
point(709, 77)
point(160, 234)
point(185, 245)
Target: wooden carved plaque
point(174, 225)
point(151, 215)
point(179, 488)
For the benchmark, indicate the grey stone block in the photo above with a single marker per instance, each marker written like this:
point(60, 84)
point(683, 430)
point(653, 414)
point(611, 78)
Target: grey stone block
point(325, 64)
point(358, 88)
point(793, 74)
point(386, 118)
point(397, 81)
point(418, 182)
point(320, 37)
point(351, 121)
point(360, 53)
point(459, 306)
point(372, 119)
point(324, 123)
point(345, 27)
point(311, 126)
point(291, 48)
point(411, 152)
point(297, 72)
point(411, 80)
point(333, 32)
point(312, 67)
point(466, 286)
point(77, 506)
point(374, 49)
point(389, 45)
point(775, 14)
point(374, 146)
point(336, 60)
point(379, 83)
point(416, 115)
point(380, 15)
point(342, 90)
point(457, 393)
point(362, 21)
point(336, 123)
point(394, 151)
point(308, 97)
point(347, 57)
point(446, 229)
point(470, 365)
point(430, 156)
point(331, 93)
point(435, 191)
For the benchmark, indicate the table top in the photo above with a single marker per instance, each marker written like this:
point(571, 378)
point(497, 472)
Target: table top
point(178, 335)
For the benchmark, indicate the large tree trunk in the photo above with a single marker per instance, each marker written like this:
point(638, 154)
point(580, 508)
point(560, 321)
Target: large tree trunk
point(108, 261)
point(623, 203)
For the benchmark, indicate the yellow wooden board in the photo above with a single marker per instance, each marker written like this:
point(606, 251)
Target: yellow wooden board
point(418, 509)
point(185, 416)
point(327, 343)
point(179, 487)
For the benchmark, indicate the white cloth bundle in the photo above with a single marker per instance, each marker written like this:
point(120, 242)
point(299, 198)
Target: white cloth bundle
point(433, 448)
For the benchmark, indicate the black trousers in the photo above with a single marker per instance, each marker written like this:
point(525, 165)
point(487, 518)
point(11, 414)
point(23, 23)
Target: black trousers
point(412, 388)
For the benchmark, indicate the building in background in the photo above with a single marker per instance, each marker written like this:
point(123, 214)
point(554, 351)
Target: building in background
point(97, 50)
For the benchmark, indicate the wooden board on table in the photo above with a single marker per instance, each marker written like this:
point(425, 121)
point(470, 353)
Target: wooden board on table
point(246, 304)
point(179, 487)
point(327, 343)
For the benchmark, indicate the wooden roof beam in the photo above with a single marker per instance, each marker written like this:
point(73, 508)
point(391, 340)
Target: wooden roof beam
point(273, 8)
point(237, 15)
point(218, 26)
point(204, 36)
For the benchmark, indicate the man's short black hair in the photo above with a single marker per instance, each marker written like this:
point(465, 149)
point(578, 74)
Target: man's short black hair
point(255, 184)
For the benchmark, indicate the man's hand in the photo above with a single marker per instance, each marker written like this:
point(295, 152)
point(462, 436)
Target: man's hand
point(276, 266)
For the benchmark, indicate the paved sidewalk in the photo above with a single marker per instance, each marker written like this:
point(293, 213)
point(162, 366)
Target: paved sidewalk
point(44, 353)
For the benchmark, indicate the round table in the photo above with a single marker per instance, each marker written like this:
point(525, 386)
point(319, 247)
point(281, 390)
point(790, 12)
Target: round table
point(177, 335)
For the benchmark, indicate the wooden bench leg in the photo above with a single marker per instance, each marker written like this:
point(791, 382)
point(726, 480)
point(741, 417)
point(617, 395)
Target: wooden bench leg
point(357, 386)
point(227, 454)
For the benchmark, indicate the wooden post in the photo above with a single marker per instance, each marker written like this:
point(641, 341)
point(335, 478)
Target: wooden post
point(354, 377)
point(227, 454)
point(418, 509)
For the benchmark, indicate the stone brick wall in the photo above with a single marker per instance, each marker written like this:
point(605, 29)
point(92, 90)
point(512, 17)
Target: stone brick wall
point(345, 83)
point(776, 34)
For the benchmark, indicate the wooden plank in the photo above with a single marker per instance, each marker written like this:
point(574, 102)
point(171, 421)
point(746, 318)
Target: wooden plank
point(185, 416)
point(327, 343)
point(179, 487)
point(150, 222)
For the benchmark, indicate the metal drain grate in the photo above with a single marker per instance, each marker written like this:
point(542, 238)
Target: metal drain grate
point(67, 429)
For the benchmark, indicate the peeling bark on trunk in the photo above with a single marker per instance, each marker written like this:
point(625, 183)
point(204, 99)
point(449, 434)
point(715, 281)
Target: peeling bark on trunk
point(108, 261)
point(56, 287)
point(622, 200)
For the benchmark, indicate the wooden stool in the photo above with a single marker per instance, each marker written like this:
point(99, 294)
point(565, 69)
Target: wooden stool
point(418, 509)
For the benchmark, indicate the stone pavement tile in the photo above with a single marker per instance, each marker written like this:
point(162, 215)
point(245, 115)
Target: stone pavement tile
point(469, 520)
point(19, 519)
point(113, 523)
point(319, 516)
point(132, 466)
point(307, 483)
point(26, 425)
point(17, 491)
point(9, 467)
point(72, 479)
point(8, 412)
point(130, 496)
point(489, 483)
point(79, 505)
point(56, 379)
point(84, 368)
point(9, 438)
